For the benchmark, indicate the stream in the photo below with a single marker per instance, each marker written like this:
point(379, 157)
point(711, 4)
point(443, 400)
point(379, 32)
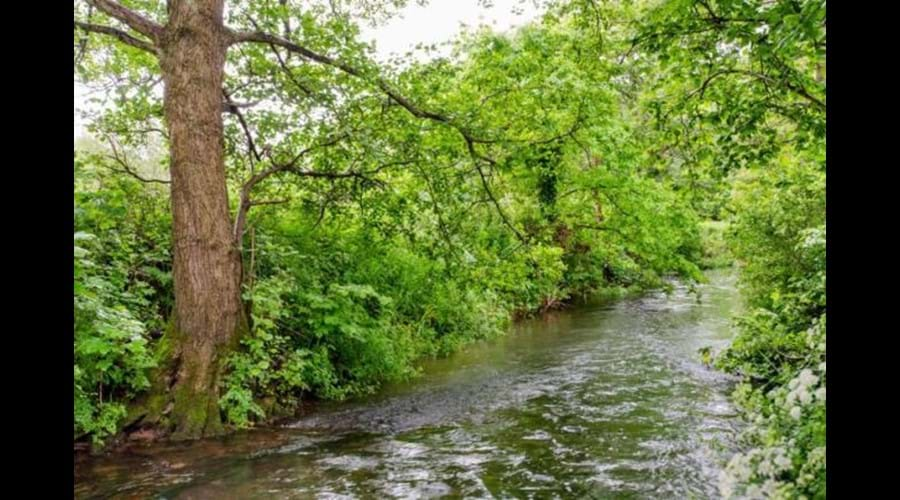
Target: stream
point(605, 400)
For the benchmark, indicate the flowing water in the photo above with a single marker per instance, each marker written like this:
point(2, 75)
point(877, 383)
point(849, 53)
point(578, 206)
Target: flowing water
point(598, 401)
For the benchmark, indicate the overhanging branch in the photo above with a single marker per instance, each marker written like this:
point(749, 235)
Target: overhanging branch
point(122, 160)
point(469, 138)
point(117, 34)
point(134, 20)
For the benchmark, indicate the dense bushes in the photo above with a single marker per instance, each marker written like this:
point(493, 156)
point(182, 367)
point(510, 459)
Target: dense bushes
point(111, 352)
point(778, 234)
point(121, 293)
point(345, 308)
point(778, 229)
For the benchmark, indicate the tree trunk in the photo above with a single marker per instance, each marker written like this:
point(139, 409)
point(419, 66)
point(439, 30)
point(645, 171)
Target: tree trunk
point(207, 263)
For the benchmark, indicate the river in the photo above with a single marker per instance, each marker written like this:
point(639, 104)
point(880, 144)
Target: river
point(598, 401)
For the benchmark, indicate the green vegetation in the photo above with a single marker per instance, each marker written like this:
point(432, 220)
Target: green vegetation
point(779, 234)
point(744, 100)
point(122, 292)
point(385, 214)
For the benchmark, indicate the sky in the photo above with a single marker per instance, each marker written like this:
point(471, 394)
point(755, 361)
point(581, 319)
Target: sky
point(437, 22)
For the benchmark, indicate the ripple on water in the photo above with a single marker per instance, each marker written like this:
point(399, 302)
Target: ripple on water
point(605, 402)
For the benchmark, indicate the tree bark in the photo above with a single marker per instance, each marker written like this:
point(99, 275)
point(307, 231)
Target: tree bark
point(207, 264)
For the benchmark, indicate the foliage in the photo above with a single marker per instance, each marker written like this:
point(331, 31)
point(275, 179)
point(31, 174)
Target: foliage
point(735, 94)
point(716, 251)
point(390, 212)
point(351, 290)
point(121, 290)
point(785, 452)
point(776, 212)
point(779, 235)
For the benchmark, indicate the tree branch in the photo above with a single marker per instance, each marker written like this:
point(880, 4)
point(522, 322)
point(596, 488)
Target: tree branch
point(487, 188)
point(134, 20)
point(268, 202)
point(273, 40)
point(82, 44)
point(797, 89)
point(246, 189)
point(287, 71)
point(234, 108)
point(118, 34)
point(123, 162)
point(469, 138)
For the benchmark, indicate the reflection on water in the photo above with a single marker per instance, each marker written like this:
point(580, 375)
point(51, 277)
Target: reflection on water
point(599, 401)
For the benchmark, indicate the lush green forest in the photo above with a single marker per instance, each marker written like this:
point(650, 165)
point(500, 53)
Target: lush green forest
point(265, 216)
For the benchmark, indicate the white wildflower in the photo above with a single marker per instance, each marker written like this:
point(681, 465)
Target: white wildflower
point(782, 462)
point(820, 394)
point(739, 466)
point(754, 492)
point(807, 378)
point(795, 413)
point(790, 399)
point(770, 488)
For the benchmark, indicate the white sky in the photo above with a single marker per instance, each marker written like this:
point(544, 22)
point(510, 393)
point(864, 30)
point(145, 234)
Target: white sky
point(437, 22)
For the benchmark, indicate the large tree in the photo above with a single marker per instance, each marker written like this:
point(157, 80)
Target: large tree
point(189, 40)
point(312, 83)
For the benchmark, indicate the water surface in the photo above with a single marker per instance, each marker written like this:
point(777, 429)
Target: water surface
point(599, 401)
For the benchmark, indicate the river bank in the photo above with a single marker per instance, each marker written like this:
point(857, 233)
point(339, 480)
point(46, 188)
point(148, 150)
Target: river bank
point(596, 400)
